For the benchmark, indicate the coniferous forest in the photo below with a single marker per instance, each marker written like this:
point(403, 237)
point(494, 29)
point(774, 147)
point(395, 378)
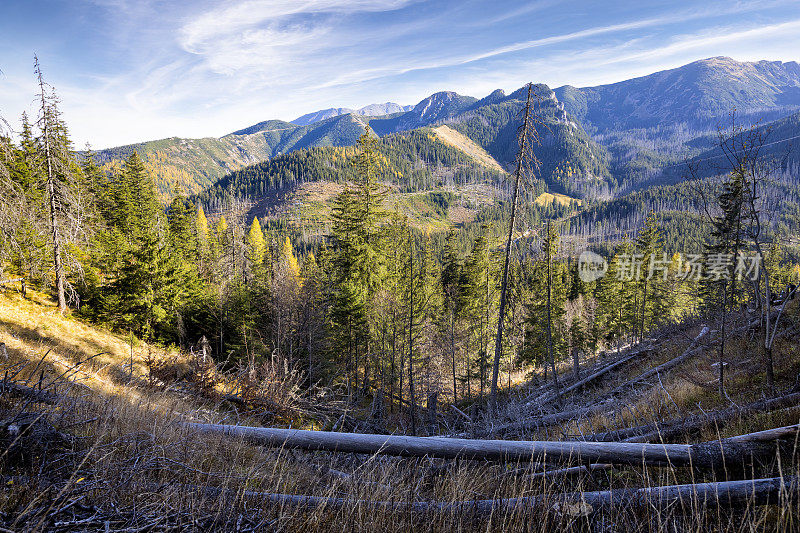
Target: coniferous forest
point(596, 339)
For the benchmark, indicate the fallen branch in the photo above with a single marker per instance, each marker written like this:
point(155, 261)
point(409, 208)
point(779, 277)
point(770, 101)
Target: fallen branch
point(572, 470)
point(672, 429)
point(690, 497)
point(600, 373)
point(29, 393)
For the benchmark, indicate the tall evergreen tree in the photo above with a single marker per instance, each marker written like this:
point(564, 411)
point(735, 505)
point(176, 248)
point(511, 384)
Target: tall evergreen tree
point(358, 218)
point(648, 247)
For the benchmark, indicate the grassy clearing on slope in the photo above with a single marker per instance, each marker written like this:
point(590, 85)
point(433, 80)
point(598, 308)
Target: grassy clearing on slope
point(468, 146)
point(31, 327)
point(309, 206)
point(547, 198)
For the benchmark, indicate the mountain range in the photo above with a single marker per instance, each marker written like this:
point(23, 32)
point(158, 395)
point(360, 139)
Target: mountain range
point(598, 142)
point(696, 96)
point(372, 110)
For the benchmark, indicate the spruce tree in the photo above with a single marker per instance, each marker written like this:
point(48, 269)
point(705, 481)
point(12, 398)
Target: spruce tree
point(648, 246)
point(182, 239)
point(358, 219)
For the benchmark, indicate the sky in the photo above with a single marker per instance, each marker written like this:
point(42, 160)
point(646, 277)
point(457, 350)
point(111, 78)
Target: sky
point(130, 71)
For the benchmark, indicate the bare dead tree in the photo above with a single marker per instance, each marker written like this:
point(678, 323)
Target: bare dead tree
point(46, 120)
point(742, 152)
point(526, 161)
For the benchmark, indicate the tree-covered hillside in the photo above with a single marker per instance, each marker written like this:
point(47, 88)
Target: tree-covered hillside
point(662, 119)
point(571, 162)
point(191, 165)
point(417, 160)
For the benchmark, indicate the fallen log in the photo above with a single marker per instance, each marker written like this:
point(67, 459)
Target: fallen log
point(585, 381)
point(768, 435)
point(450, 448)
point(671, 429)
point(733, 451)
point(565, 416)
point(740, 453)
point(690, 351)
point(687, 498)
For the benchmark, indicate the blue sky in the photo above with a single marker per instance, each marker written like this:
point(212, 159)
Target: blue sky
point(129, 71)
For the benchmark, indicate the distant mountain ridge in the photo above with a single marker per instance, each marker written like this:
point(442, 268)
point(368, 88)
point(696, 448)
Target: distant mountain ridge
point(191, 165)
point(372, 110)
point(696, 94)
point(639, 125)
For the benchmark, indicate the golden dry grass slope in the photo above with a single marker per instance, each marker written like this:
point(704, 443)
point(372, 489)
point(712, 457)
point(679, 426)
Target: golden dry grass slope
point(547, 198)
point(450, 136)
point(32, 327)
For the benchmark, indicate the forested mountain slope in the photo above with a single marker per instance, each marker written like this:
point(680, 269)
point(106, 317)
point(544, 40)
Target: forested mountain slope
point(417, 161)
point(570, 160)
point(696, 95)
point(661, 119)
point(190, 165)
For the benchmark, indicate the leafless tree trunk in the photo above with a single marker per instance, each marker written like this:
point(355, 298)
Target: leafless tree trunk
point(525, 133)
point(55, 236)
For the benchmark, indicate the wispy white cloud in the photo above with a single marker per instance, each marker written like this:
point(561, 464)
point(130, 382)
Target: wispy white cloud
point(265, 34)
point(206, 68)
point(711, 40)
point(644, 55)
point(662, 20)
point(240, 16)
point(443, 61)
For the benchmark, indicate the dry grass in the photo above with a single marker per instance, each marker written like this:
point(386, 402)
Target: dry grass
point(451, 137)
point(32, 327)
point(127, 464)
point(547, 198)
